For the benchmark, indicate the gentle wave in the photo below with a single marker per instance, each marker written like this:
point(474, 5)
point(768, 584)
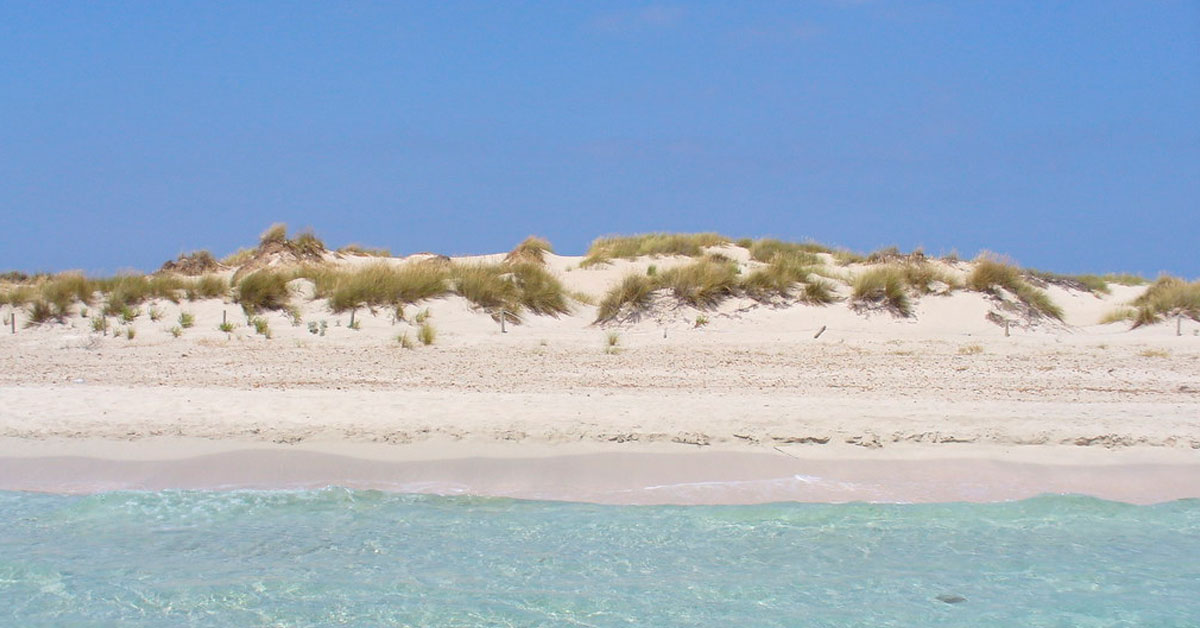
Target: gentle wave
point(335, 555)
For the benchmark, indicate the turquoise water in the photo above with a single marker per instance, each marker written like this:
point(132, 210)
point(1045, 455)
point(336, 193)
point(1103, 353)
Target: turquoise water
point(292, 558)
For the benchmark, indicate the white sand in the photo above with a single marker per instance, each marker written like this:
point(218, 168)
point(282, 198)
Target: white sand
point(943, 384)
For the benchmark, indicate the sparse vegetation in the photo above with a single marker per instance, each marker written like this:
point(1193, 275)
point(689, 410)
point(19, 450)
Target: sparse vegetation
point(990, 275)
point(426, 333)
point(100, 324)
point(155, 313)
point(1118, 315)
point(422, 316)
point(364, 251)
point(1155, 353)
point(406, 341)
point(186, 320)
point(612, 342)
point(130, 332)
point(970, 350)
point(605, 249)
point(226, 327)
point(701, 321)
point(176, 331)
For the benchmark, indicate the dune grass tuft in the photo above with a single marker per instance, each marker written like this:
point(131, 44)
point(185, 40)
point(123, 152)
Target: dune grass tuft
point(766, 249)
point(608, 248)
point(532, 249)
point(701, 284)
point(1166, 297)
point(884, 286)
point(427, 333)
point(990, 275)
point(378, 284)
point(263, 290)
point(275, 234)
point(206, 287)
point(633, 292)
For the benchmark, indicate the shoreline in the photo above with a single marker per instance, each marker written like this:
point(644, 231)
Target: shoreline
point(614, 474)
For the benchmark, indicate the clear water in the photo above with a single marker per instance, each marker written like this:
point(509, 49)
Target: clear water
point(369, 558)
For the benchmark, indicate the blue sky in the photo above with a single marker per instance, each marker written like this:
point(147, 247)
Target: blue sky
point(1063, 134)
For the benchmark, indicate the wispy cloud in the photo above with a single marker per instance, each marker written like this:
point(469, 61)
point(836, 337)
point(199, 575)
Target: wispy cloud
point(644, 18)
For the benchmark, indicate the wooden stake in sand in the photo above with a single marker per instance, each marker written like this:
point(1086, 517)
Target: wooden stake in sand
point(1179, 325)
point(12, 320)
point(1006, 328)
point(819, 332)
point(503, 315)
point(352, 318)
point(223, 323)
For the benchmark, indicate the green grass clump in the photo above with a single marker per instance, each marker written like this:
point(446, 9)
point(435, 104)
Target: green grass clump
point(206, 287)
point(883, 286)
point(701, 284)
point(40, 312)
point(261, 326)
point(540, 291)
point(186, 320)
point(922, 276)
point(612, 343)
point(378, 284)
point(488, 286)
point(226, 327)
point(989, 275)
point(845, 257)
point(66, 288)
point(1168, 296)
point(263, 290)
point(307, 244)
point(406, 341)
point(629, 247)
point(426, 333)
point(766, 249)
point(785, 272)
point(633, 291)
point(123, 291)
point(532, 249)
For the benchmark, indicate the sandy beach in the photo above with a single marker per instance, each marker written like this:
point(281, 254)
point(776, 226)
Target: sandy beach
point(944, 404)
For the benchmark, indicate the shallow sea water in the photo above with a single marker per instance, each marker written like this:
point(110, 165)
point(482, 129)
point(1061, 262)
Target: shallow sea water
point(336, 556)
